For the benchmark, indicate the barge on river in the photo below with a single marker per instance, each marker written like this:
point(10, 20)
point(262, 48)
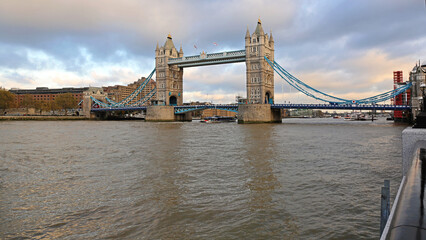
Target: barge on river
point(218, 119)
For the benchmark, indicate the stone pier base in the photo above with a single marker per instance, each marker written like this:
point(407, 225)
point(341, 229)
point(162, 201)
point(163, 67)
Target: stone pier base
point(258, 113)
point(87, 106)
point(165, 114)
point(184, 117)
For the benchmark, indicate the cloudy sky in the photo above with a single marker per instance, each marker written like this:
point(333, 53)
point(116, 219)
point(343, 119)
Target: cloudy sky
point(346, 48)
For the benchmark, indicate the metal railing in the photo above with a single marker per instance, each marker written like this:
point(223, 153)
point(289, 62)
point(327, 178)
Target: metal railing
point(407, 219)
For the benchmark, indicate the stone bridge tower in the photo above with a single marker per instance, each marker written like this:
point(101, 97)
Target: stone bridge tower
point(259, 74)
point(169, 78)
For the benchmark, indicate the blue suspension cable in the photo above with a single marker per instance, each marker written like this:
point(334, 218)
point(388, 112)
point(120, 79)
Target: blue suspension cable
point(145, 98)
point(299, 85)
point(129, 98)
point(134, 93)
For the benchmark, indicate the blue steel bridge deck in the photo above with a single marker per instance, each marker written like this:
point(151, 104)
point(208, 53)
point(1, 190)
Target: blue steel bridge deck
point(342, 106)
point(234, 107)
point(109, 109)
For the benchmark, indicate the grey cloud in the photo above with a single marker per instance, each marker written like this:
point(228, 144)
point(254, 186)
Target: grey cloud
point(136, 26)
point(310, 36)
point(59, 28)
point(16, 77)
point(12, 57)
point(227, 78)
point(365, 23)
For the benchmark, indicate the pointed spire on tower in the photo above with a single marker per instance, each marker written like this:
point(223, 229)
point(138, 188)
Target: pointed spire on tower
point(169, 43)
point(180, 54)
point(247, 33)
point(157, 47)
point(271, 39)
point(259, 29)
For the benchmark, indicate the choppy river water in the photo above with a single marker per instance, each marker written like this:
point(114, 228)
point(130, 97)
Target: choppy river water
point(303, 179)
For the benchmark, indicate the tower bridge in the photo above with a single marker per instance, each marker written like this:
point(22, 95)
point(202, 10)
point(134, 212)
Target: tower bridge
point(260, 68)
point(169, 64)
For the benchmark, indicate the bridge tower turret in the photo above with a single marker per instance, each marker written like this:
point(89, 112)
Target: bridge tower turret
point(169, 78)
point(259, 74)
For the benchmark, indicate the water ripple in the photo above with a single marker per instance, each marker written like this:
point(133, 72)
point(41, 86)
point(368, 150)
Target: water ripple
point(303, 179)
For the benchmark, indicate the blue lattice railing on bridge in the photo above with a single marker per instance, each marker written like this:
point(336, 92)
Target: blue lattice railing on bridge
point(190, 108)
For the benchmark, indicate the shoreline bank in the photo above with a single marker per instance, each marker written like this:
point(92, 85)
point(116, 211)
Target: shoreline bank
point(42, 118)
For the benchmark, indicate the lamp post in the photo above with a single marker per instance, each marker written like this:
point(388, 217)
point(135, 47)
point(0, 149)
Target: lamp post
point(421, 117)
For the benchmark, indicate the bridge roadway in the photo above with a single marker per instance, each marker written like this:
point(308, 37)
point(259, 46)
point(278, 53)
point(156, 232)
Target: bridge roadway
point(234, 107)
point(342, 106)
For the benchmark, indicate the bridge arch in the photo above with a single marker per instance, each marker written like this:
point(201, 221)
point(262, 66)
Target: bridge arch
point(268, 98)
point(173, 100)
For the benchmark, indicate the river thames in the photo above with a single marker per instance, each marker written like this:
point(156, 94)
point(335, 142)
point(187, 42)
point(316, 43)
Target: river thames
point(302, 179)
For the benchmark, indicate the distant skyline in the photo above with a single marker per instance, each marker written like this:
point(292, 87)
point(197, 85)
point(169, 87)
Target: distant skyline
point(346, 48)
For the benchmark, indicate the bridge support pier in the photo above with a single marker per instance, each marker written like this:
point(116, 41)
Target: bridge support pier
point(165, 114)
point(184, 117)
point(87, 106)
point(258, 113)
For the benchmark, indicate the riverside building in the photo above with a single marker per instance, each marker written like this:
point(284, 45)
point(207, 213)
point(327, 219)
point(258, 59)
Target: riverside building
point(44, 94)
point(417, 77)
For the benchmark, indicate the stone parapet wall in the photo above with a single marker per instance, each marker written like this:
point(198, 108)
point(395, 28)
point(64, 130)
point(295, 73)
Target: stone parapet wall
point(412, 140)
point(42, 118)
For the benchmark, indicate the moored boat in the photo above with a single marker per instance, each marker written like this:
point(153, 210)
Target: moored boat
point(218, 119)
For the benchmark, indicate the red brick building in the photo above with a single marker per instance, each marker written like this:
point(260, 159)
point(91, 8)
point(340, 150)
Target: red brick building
point(46, 95)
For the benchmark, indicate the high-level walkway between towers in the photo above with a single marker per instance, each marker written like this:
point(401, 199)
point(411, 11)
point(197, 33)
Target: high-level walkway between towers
point(205, 59)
